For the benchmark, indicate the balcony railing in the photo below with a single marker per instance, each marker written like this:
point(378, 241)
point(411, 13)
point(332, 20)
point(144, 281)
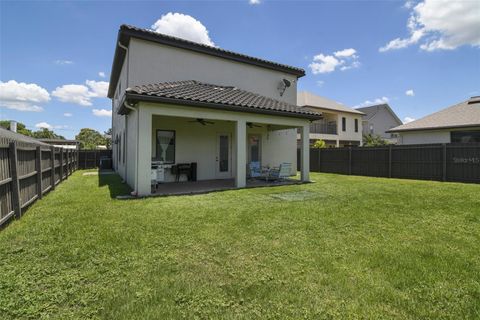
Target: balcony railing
point(323, 127)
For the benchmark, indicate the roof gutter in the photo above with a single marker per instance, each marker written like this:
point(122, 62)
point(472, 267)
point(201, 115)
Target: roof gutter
point(133, 97)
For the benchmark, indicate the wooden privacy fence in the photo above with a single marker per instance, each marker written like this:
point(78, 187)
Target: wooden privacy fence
point(441, 162)
point(27, 172)
point(89, 159)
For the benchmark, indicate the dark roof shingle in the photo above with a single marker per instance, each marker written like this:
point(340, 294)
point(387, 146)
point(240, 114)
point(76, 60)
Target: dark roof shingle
point(463, 114)
point(191, 92)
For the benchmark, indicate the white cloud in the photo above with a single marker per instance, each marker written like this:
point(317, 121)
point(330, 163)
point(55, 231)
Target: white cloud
point(67, 114)
point(81, 94)
point(43, 125)
point(183, 26)
point(101, 74)
point(46, 125)
point(409, 4)
point(410, 93)
point(254, 1)
point(102, 112)
point(443, 24)
point(22, 96)
point(320, 83)
point(343, 59)
point(408, 119)
point(99, 89)
point(373, 102)
point(345, 53)
point(63, 62)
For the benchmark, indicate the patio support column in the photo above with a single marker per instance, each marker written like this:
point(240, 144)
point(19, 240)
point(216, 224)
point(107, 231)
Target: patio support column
point(305, 152)
point(241, 150)
point(144, 152)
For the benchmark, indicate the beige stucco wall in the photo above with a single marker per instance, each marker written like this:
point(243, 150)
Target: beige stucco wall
point(424, 137)
point(152, 62)
point(348, 135)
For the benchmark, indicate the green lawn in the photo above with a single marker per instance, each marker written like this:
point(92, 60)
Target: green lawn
point(342, 248)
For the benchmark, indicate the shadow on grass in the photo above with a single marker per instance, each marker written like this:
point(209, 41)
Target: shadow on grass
point(114, 183)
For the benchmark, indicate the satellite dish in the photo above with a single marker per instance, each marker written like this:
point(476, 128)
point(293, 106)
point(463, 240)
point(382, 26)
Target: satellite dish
point(283, 85)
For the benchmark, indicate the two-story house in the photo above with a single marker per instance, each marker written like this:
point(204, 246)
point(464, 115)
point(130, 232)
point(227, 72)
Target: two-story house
point(340, 125)
point(378, 120)
point(178, 103)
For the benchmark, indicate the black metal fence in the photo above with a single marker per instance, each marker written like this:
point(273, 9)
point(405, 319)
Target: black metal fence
point(441, 162)
point(90, 159)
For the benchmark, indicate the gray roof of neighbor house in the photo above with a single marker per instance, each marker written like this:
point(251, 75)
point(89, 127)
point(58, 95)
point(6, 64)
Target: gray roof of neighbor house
point(195, 93)
point(127, 31)
point(7, 136)
point(463, 114)
point(373, 110)
point(307, 99)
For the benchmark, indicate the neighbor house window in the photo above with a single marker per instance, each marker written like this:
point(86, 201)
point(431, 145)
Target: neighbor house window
point(344, 124)
point(371, 129)
point(356, 125)
point(465, 136)
point(165, 151)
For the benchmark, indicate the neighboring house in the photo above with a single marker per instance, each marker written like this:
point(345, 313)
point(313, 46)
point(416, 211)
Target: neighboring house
point(378, 120)
point(457, 124)
point(179, 102)
point(340, 125)
point(61, 143)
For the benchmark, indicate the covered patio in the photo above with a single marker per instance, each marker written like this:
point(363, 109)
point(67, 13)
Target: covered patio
point(219, 141)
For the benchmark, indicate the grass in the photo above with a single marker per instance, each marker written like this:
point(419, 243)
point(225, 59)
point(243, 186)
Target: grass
point(343, 247)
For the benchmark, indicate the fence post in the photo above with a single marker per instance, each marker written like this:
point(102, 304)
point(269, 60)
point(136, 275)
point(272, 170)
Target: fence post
point(52, 166)
point(15, 184)
point(38, 166)
point(319, 159)
point(65, 157)
point(61, 164)
point(349, 160)
point(390, 161)
point(444, 161)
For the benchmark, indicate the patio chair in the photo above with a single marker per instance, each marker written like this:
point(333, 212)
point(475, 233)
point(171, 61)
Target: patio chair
point(280, 173)
point(255, 170)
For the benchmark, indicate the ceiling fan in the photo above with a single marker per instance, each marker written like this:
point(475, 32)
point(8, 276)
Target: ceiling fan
point(252, 125)
point(203, 122)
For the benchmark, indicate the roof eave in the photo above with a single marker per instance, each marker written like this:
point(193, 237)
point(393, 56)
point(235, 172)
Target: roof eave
point(134, 97)
point(393, 130)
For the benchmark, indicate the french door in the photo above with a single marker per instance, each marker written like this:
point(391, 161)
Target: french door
point(223, 160)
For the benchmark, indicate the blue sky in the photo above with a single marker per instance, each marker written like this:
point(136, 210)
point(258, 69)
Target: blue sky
point(45, 46)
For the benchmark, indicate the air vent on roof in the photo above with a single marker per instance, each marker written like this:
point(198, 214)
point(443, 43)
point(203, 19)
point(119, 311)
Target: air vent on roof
point(473, 100)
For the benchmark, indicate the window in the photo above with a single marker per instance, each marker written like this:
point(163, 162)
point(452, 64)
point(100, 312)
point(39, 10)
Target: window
point(465, 136)
point(356, 125)
point(371, 128)
point(344, 124)
point(165, 148)
point(254, 148)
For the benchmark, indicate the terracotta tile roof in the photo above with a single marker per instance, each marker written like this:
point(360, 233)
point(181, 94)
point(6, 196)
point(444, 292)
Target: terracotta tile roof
point(200, 94)
point(463, 114)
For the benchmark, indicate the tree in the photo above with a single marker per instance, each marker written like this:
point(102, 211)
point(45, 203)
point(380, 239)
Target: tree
point(90, 139)
point(20, 127)
point(319, 144)
point(371, 140)
point(108, 138)
point(44, 133)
